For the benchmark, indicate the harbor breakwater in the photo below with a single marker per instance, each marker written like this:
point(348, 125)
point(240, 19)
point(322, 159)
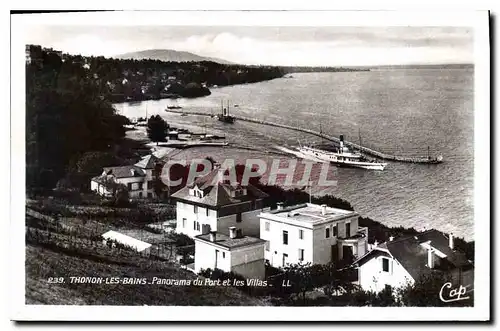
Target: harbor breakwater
point(366, 150)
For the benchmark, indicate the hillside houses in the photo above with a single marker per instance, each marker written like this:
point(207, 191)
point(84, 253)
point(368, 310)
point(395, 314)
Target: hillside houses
point(235, 252)
point(138, 178)
point(212, 203)
point(397, 263)
point(311, 233)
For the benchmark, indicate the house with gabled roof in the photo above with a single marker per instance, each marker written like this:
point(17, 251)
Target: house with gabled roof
point(138, 178)
point(212, 203)
point(397, 263)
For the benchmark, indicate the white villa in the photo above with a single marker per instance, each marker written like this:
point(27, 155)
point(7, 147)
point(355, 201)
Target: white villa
point(311, 233)
point(243, 255)
point(213, 204)
point(397, 263)
point(138, 178)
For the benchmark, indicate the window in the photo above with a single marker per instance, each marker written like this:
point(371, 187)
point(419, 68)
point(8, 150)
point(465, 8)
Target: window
point(194, 225)
point(266, 226)
point(348, 230)
point(334, 230)
point(301, 254)
point(285, 259)
point(129, 186)
point(238, 217)
point(206, 211)
point(183, 222)
point(140, 194)
point(150, 195)
point(195, 209)
point(301, 234)
point(385, 264)
point(197, 226)
point(268, 246)
point(150, 185)
point(223, 255)
point(327, 232)
point(285, 237)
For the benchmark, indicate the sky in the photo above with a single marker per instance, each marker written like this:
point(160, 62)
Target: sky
point(308, 46)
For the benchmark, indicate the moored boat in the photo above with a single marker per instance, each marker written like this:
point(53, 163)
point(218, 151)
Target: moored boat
point(224, 115)
point(342, 157)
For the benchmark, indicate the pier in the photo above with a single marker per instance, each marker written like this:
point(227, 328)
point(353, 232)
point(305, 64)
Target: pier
point(366, 150)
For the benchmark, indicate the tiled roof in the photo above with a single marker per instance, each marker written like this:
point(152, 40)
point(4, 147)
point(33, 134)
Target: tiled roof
point(410, 255)
point(125, 171)
point(441, 242)
point(225, 241)
point(147, 162)
point(370, 255)
point(413, 257)
point(217, 193)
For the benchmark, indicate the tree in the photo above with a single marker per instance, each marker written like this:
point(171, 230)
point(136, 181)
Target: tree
point(65, 117)
point(331, 279)
point(157, 129)
point(425, 292)
point(301, 279)
point(120, 195)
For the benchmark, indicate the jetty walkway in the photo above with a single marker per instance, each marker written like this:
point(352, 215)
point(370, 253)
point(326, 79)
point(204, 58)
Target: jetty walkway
point(366, 150)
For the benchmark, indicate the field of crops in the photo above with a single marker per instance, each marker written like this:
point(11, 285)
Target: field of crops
point(70, 246)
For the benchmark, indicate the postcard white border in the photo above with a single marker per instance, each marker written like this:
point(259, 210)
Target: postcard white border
point(476, 19)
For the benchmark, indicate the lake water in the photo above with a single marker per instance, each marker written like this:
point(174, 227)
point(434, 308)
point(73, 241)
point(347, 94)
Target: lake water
point(398, 111)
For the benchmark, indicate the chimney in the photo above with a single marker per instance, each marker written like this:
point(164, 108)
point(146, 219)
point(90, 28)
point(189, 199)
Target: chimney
point(279, 205)
point(341, 141)
point(220, 172)
point(212, 236)
point(430, 258)
point(391, 238)
point(450, 242)
point(232, 232)
point(323, 210)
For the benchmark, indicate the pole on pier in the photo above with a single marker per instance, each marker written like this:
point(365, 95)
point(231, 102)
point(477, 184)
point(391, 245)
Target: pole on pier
point(321, 134)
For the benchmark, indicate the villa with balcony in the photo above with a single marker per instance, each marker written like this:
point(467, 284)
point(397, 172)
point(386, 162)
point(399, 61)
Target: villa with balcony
point(311, 233)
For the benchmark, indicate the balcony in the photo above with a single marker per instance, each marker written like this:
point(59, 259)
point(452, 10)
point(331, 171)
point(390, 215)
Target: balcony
point(363, 232)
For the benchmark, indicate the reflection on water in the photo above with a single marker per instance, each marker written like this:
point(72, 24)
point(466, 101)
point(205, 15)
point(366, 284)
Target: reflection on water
point(396, 111)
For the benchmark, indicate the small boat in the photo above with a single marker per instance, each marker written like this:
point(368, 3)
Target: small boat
point(343, 157)
point(174, 107)
point(226, 118)
point(236, 106)
point(224, 115)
